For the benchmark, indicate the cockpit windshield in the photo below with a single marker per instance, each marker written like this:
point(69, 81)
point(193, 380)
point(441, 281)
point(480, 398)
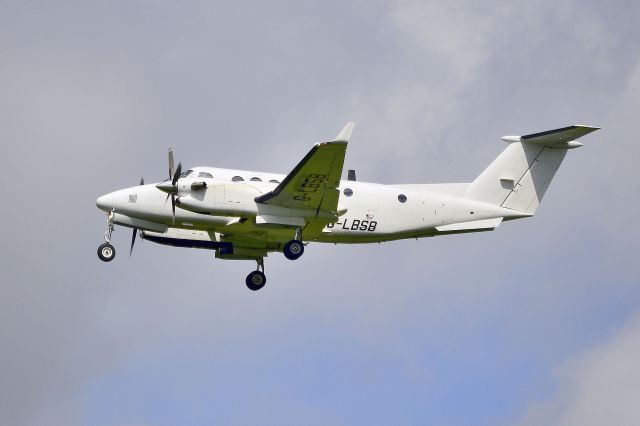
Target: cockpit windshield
point(186, 174)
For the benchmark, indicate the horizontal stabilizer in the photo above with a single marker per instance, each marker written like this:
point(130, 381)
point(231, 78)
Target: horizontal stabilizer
point(469, 226)
point(558, 138)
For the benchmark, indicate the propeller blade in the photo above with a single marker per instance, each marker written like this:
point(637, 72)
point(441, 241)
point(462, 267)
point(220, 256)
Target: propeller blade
point(133, 240)
point(170, 163)
point(176, 175)
point(173, 206)
point(135, 230)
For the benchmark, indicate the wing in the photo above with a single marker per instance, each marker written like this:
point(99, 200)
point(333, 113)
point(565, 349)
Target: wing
point(313, 183)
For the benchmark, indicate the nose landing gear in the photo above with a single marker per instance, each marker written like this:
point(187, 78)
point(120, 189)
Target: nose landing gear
point(106, 252)
point(257, 279)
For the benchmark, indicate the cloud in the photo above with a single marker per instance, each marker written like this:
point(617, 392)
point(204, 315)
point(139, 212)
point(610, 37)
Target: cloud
point(460, 34)
point(598, 387)
point(601, 385)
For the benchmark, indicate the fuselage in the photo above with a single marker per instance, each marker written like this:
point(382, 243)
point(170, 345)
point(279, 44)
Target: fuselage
point(370, 212)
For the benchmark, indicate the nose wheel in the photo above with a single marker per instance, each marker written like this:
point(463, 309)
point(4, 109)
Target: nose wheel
point(257, 279)
point(106, 251)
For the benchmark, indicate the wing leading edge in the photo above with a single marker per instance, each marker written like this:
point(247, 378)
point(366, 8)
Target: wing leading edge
point(313, 183)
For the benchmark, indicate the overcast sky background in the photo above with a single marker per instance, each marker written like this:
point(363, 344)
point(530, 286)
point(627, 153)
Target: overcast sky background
point(537, 323)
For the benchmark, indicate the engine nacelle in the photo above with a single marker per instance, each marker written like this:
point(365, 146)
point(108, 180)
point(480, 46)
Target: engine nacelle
point(237, 199)
point(222, 199)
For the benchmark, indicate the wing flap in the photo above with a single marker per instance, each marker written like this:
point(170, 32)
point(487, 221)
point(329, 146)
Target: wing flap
point(279, 220)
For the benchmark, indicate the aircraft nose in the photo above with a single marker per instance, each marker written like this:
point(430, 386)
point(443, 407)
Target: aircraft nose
point(105, 203)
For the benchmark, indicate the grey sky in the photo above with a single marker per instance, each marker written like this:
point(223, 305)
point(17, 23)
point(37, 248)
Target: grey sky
point(520, 326)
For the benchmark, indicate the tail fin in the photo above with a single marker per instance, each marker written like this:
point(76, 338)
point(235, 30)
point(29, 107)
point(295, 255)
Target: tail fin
point(518, 178)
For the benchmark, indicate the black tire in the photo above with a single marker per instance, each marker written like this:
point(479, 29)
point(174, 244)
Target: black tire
point(293, 249)
point(256, 280)
point(106, 252)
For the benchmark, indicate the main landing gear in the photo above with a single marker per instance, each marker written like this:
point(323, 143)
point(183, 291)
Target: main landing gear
point(106, 252)
point(292, 251)
point(294, 248)
point(257, 279)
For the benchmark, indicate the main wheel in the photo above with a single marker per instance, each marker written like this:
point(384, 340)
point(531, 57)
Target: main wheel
point(293, 249)
point(256, 280)
point(106, 252)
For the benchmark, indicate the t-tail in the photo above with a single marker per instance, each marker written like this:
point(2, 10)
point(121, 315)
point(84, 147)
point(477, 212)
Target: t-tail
point(519, 177)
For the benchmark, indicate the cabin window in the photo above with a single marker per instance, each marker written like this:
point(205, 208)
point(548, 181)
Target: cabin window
point(402, 198)
point(348, 192)
point(237, 179)
point(205, 175)
point(274, 181)
point(256, 179)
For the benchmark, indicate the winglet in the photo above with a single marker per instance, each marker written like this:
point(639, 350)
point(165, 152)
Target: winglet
point(345, 133)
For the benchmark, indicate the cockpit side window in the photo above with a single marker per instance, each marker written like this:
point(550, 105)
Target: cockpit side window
point(205, 175)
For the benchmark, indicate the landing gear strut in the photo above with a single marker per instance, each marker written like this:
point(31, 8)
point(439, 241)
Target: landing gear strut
point(106, 252)
point(294, 248)
point(257, 279)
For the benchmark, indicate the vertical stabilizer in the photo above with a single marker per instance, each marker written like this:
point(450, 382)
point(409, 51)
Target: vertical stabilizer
point(519, 177)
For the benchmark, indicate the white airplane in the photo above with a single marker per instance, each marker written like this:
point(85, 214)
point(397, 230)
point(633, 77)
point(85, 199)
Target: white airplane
point(245, 215)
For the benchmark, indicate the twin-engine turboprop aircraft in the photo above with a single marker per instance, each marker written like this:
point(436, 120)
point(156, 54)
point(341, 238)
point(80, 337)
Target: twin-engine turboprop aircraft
point(245, 215)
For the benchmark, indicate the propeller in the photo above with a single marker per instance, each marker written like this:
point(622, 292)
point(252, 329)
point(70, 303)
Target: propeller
point(133, 240)
point(135, 230)
point(170, 163)
point(171, 188)
point(174, 182)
